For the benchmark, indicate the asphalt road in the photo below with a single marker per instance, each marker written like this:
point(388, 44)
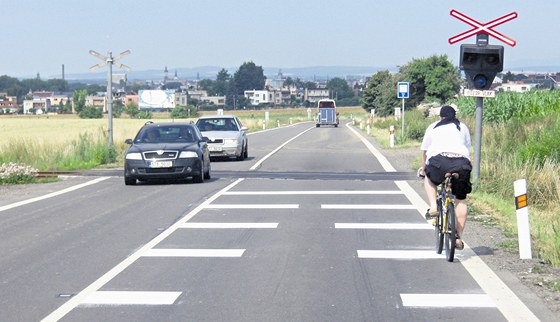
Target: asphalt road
point(314, 226)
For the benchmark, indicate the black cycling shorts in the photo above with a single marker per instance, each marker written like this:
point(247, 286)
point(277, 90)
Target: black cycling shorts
point(439, 165)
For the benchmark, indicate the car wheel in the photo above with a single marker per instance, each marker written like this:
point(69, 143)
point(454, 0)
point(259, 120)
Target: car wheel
point(241, 156)
point(246, 153)
point(208, 173)
point(129, 181)
point(199, 178)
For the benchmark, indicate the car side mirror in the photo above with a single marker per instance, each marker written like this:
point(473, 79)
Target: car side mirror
point(128, 141)
point(244, 128)
point(205, 139)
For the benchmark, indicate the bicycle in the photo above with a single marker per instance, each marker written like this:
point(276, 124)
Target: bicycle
point(445, 221)
point(445, 229)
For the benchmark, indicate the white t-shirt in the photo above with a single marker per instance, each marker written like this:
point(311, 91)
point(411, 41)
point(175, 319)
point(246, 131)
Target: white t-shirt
point(446, 138)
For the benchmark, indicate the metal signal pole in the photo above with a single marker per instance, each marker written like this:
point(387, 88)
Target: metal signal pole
point(109, 60)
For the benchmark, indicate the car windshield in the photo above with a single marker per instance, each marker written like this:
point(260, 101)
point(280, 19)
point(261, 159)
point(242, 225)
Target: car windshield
point(217, 124)
point(166, 134)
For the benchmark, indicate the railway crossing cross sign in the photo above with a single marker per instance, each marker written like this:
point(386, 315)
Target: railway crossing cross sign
point(483, 28)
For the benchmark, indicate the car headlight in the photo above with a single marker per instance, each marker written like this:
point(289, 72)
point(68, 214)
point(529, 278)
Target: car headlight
point(230, 141)
point(188, 154)
point(133, 156)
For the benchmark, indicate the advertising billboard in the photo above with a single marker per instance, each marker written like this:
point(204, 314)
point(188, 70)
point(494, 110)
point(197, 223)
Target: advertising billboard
point(156, 99)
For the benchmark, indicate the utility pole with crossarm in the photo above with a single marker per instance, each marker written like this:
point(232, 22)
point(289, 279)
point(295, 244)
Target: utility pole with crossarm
point(109, 60)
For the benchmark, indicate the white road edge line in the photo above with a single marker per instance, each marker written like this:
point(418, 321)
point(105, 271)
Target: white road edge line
point(131, 298)
point(380, 157)
point(258, 164)
point(53, 194)
point(95, 286)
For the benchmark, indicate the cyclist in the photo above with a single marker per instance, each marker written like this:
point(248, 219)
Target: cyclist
point(446, 149)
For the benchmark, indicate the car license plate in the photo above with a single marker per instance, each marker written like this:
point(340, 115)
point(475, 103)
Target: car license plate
point(215, 148)
point(160, 164)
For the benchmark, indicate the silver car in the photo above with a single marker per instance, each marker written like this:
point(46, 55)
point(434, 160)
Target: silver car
point(227, 137)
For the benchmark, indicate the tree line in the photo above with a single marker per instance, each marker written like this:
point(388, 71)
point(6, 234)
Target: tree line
point(432, 79)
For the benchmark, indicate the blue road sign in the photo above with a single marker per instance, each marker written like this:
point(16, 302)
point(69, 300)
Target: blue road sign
point(403, 89)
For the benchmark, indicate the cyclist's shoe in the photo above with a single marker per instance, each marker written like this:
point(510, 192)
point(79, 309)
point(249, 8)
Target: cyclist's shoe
point(459, 244)
point(430, 214)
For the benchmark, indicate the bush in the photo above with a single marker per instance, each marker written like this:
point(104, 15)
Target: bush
point(91, 112)
point(13, 173)
point(144, 115)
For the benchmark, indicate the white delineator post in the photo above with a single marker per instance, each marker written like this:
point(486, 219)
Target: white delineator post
point(392, 136)
point(522, 212)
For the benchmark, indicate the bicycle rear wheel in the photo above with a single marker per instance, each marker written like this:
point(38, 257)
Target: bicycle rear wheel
point(451, 233)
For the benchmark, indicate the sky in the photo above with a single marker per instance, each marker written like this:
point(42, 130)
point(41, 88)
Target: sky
point(39, 36)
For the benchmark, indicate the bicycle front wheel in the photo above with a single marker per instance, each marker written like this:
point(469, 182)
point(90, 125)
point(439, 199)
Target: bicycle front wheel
point(439, 228)
point(451, 232)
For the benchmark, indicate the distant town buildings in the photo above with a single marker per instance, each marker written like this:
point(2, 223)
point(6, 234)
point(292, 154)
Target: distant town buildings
point(170, 92)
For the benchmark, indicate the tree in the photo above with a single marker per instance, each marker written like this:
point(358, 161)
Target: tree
point(221, 85)
point(433, 78)
point(507, 77)
point(79, 99)
point(339, 88)
point(248, 77)
point(131, 109)
point(375, 90)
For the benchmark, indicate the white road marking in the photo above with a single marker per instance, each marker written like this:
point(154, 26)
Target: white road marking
point(228, 225)
point(346, 206)
point(339, 192)
point(395, 226)
point(447, 300)
point(258, 164)
point(159, 252)
point(399, 254)
point(252, 206)
point(131, 298)
point(380, 157)
point(53, 194)
point(100, 282)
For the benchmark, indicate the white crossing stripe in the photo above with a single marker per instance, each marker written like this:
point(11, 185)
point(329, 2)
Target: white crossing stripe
point(447, 300)
point(383, 226)
point(339, 192)
point(229, 225)
point(399, 254)
point(369, 207)
point(252, 206)
point(131, 298)
point(159, 252)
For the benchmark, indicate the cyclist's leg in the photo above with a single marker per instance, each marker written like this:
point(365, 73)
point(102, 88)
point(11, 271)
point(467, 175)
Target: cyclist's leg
point(435, 174)
point(461, 213)
point(431, 192)
point(461, 188)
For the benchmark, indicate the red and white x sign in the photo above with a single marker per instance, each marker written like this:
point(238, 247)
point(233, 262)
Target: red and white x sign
point(483, 28)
